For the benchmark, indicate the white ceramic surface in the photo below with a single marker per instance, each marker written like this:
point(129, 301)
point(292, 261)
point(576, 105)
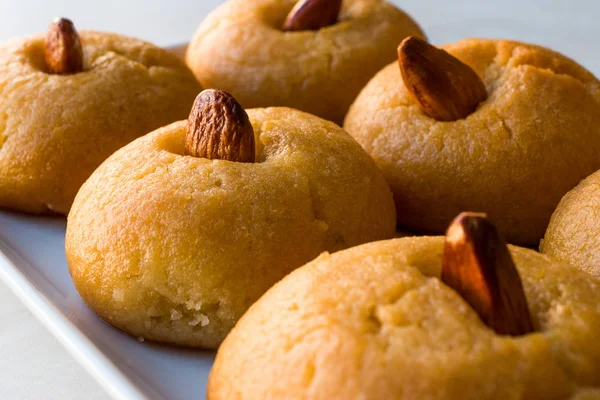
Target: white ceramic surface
point(32, 366)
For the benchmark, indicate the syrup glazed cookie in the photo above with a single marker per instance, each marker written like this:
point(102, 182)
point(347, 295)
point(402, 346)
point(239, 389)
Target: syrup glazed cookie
point(178, 233)
point(312, 55)
point(68, 102)
point(573, 235)
point(465, 317)
point(503, 127)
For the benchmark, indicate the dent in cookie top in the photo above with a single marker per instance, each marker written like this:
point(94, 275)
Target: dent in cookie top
point(448, 89)
point(491, 60)
point(307, 18)
point(281, 135)
point(64, 51)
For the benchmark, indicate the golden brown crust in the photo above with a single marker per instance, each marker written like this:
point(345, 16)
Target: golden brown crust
point(55, 130)
point(375, 322)
point(573, 235)
point(534, 138)
point(175, 248)
point(242, 49)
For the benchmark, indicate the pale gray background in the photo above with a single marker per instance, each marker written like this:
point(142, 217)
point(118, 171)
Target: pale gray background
point(32, 363)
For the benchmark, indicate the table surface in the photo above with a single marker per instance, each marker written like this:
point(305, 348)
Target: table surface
point(33, 365)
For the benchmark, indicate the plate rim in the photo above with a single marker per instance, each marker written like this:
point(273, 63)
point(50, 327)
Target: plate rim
point(87, 354)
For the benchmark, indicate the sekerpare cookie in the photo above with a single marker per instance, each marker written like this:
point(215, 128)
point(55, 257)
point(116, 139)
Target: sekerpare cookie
point(530, 141)
point(175, 248)
point(56, 129)
point(376, 322)
point(573, 234)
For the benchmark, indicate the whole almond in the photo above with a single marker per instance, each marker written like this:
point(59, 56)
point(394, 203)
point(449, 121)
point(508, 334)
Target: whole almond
point(312, 15)
point(219, 129)
point(446, 88)
point(478, 266)
point(63, 51)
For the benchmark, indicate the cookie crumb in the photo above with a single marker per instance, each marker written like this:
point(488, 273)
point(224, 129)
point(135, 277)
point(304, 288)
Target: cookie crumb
point(200, 319)
point(175, 315)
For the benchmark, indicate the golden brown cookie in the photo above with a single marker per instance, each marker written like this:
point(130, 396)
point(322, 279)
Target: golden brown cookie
point(376, 322)
point(241, 47)
point(573, 235)
point(175, 248)
point(532, 140)
point(56, 129)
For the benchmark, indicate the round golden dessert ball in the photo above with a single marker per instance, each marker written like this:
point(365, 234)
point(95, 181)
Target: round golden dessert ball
point(573, 235)
point(56, 129)
point(242, 49)
point(175, 248)
point(376, 322)
point(534, 138)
